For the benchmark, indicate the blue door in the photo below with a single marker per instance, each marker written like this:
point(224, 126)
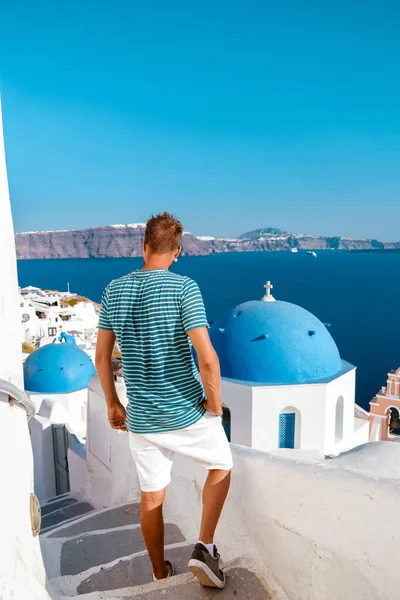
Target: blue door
point(287, 424)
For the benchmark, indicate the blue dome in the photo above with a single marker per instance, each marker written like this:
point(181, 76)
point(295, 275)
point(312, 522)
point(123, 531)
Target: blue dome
point(274, 343)
point(57, 369)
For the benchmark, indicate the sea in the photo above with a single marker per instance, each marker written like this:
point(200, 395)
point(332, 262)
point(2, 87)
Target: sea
point(357, 293)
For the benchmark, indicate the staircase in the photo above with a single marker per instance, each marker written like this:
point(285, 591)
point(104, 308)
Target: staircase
point(100, 554)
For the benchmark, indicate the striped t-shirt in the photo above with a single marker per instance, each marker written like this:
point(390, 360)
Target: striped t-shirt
point(151, 313)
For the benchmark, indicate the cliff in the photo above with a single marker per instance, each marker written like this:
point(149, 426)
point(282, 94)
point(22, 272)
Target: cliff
point(122, 241)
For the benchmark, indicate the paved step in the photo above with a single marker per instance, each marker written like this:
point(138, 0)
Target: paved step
point(102, 556)
point(56, 504)
point(120, 516)
point(90, 550)
point(56, 518)
point(66, 495)
point(134, 571)
point(241, 584)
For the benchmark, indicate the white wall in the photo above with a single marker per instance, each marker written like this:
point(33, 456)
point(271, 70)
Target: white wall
point(86, 314)
point(10, 327)
point(69, 409)
point(342, 386)
point(21, 568)
point(110, 473)
point(318, 529)
point(238, 398)
point(74, 403)
point(270, 401)
point(255, 414)
point(34, 326)
point(43, 453)
point(78, 469)
point(376, 429)
point(22, 575)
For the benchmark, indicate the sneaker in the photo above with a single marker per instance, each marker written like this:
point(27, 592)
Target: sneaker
point(171, 571)
point(206, 567)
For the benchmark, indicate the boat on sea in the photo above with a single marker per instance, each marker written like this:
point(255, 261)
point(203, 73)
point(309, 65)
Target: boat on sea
point(294, 250)
point(312, 253)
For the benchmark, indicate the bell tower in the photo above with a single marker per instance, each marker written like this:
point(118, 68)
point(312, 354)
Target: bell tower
point(385, 408)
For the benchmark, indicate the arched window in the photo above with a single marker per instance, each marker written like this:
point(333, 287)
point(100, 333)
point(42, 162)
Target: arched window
point(339, 419)
point(226, 421)
point(289, 428)
point(394, 421)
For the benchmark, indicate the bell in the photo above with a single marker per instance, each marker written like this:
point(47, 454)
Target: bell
point(395, 420)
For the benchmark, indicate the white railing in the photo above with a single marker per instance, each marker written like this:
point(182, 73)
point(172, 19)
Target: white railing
point(16, 396)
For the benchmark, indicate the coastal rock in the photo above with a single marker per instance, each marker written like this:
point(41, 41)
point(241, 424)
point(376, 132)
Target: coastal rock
point(125, 241)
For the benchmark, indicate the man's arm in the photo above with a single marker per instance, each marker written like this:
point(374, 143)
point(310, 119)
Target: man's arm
point(104, 349)
point(209, 369)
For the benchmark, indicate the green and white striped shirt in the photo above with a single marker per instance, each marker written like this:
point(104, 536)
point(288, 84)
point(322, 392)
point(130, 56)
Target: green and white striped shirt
point(151, 313)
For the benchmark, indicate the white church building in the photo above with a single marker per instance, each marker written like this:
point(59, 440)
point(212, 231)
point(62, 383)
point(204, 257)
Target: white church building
point(56, 379)
point(284, 384)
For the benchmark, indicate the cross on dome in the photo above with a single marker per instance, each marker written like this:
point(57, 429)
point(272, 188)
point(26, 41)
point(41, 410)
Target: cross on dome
point(268, 296)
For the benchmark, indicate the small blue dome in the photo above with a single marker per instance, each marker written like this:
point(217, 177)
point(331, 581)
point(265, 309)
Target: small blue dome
point(274, 343)
point(57, 369)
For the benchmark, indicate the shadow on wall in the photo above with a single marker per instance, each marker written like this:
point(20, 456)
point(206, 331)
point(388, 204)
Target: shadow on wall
point(226, 421)
point(339, 427)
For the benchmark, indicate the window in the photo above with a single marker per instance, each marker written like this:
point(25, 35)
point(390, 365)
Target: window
point(339, 419)
point(52, 331)
point(394, 421)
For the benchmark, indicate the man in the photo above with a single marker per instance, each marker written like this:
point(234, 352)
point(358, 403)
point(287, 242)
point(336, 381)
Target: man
point(156, 316)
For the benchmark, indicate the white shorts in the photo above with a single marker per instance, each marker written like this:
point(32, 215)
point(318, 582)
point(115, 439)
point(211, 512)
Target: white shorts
point(205, 442)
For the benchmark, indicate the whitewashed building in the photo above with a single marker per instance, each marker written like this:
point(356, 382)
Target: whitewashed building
point(56, 378)
point(284, 384)
point(44, 317)
point(22, 573)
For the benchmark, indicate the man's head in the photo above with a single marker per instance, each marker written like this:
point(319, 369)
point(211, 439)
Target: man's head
point(162, 239)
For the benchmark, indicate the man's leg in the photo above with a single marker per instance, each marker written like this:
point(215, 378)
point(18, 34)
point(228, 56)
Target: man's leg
point(214, 495)
point(153, 465)
point(152, 522)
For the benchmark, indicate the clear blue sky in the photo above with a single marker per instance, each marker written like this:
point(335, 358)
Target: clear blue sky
point(234, 114)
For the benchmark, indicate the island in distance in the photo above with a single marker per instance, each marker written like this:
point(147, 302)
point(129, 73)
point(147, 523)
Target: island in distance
point(124, 241)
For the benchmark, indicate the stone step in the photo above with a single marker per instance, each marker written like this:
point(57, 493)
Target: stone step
point(55, 518)
point(241, 584)
point(134, 571)
point(91, 550)
point(56, 504)
point(120, 516)
point(59, 497)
